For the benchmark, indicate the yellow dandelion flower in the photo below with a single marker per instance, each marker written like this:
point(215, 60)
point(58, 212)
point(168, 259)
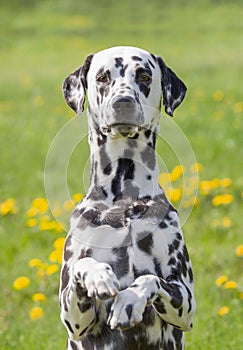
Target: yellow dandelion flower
point(196, 168)
point(221, 280)
point(164, 179)
point(168, 191)
point(21, 283)
point(49, 226)
point(8, 207)
point(214, 183)
point(190, 202)
point(223, 311)
point(31, 223)
point(175, 194)
point(44, 226)
point(205, 187)
point(35, 263)
point(59, 243)
point(57, 211)
point(176, 173)
point(40, 204)
point(217, 200)
point(239, 250)
point(58, 226)
point(226, 222)
point(51, 269)
point(238, 107)
point(68, 205)
point(224, 199)
point(32, 212)
point(39, 297)
point(36, 313)
point(230, 285)
point(226, 182)
point(45, 218)
point(227, 199)
point(56, 256)
point(77, 197)
point(218, 95)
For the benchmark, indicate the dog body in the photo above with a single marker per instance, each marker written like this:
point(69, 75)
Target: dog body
point(126, 280)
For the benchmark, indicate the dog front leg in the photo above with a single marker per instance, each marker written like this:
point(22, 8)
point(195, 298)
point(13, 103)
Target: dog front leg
point(91, 282)
point(173, 301)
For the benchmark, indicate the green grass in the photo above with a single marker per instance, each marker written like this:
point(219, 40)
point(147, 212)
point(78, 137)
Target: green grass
point(41, 43)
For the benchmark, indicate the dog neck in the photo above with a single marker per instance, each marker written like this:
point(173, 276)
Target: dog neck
point(123, 168)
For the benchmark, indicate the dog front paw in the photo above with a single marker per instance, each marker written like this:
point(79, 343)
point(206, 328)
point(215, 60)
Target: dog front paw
point(97, 278)
point(127, 309)
point(129, 305)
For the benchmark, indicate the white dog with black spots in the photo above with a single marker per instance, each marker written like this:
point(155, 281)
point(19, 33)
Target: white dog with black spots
point(126, 280)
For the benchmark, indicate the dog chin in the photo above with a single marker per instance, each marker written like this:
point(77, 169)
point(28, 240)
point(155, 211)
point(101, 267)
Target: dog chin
point(117, 131)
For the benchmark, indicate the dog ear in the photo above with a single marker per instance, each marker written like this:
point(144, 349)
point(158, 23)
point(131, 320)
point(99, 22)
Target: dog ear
point(75, 85)
point(173, 88)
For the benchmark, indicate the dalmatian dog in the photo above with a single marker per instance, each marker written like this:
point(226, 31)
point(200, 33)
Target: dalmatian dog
point(126, 280)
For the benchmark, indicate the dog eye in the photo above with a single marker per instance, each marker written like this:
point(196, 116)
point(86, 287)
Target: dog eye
point(102, 78)
point(145, 77)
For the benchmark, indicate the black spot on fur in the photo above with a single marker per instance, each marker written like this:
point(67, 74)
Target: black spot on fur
point(190, 273)
point(69, 326)
point(92, 216)
point(73, 345)
point(105, 161)
point(178, 338)
point(121, 264)
point(148, 156)
point(67, 254)
point(125, 171)
point(138, 273)
point(160, 306)
point(81, 292)
point(163, 225)
point(151, 64)
point(157, 268)
point(114, 219)
point(129, 309)
point(174, 246)
point(97, 193)
point(64, 277)
point(185, 253)
point(136, 58)
point(119, 64)
point(84, 306)
point(174, 291)
point(144, 86)
point(146, 244)
point(180, 312)
point(147, 133)
point(172, 261)
point(77, 212)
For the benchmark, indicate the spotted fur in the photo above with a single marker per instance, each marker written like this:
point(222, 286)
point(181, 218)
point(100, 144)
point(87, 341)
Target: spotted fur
point(126, 280)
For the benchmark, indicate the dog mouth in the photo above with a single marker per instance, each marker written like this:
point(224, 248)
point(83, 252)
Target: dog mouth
point(119, 130)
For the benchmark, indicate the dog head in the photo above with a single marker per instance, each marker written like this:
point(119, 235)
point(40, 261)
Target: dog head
point(125, 87)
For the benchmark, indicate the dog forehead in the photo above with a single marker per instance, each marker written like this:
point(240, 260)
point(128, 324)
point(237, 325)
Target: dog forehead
point(122, 55)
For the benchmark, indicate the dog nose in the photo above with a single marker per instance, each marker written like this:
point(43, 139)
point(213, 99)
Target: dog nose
point(124, 104)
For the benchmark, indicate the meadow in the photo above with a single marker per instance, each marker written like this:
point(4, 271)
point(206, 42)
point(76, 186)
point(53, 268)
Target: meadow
point(41, 42)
